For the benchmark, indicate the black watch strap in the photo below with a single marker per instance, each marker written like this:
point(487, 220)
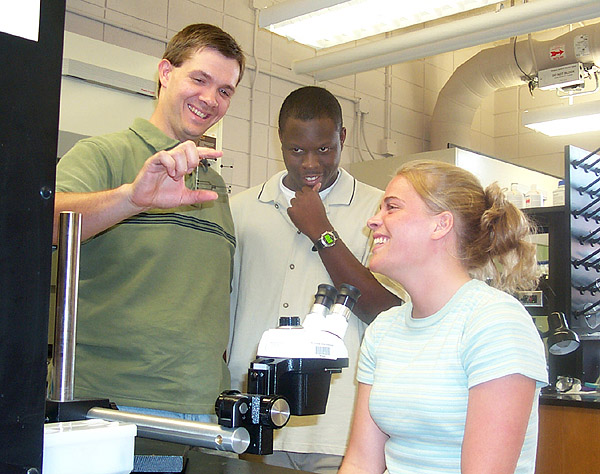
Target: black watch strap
point(327, 239)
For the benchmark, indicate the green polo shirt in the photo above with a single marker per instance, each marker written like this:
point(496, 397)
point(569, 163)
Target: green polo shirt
point(153, 313)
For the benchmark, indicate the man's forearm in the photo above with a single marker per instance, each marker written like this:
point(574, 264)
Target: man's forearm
point(99, 210)
point(344, 267)
point(309, 216)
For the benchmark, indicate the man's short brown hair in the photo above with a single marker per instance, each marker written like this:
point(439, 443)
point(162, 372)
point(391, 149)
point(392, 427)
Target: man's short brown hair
point(203, 35)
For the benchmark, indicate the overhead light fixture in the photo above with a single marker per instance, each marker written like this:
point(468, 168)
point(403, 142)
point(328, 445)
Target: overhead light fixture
point(564, 120)
point(443, 37)
point(325, 23)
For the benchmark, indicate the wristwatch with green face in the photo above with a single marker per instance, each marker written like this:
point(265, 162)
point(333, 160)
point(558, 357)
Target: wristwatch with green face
point(327, 239)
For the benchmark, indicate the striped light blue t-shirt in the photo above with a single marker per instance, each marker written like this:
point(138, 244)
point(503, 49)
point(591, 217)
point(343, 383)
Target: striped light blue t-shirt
point(421, 371)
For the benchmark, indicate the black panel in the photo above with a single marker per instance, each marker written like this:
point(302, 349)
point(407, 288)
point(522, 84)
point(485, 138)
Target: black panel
point(555, 222)
point(30, 85)
point(582, 175)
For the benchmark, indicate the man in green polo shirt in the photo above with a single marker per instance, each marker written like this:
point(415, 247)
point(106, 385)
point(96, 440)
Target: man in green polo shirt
point(155, 265)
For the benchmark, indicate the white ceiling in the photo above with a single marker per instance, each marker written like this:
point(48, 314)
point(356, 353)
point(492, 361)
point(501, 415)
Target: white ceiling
point(496, 22)
point(490, 8)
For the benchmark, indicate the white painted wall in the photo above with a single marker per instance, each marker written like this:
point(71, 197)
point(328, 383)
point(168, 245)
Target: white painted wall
point(89, 109)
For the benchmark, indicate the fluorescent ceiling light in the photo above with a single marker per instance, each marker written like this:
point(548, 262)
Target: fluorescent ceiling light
point(564, 120)
point(325, 23)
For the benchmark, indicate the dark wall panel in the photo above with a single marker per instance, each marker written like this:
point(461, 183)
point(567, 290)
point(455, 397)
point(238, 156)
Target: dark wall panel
point(30, 85)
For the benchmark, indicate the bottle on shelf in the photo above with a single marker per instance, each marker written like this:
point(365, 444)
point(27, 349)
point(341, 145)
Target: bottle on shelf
point(515, 196)
point(558, 195)
point(534, 198)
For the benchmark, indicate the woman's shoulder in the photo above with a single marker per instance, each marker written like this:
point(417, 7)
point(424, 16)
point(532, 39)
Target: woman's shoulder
point(383, 320)
point(491, 304)
point(487, 294)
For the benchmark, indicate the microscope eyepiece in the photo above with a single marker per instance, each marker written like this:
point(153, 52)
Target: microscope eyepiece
point(347, 296)
point(325, 295)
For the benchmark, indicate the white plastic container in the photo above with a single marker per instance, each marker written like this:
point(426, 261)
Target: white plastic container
point(515, 196)
point(558, 195)
point(88, 446)
point(534, 198)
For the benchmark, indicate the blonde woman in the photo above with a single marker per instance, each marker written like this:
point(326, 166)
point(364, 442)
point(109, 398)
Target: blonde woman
point(449, 382)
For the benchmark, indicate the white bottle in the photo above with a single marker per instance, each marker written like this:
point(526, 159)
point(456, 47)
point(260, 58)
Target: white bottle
point(558, 195)
point(534, 198)
point(515, 196)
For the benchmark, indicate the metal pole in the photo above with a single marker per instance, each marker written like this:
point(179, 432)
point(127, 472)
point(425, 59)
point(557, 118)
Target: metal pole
point(176, 430)
point(67, 284)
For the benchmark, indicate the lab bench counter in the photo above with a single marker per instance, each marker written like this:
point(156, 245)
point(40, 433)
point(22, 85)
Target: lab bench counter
point(569, 431)
point(206, 461)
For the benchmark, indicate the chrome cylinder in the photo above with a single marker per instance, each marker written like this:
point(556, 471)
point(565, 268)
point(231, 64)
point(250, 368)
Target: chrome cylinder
point(67, 285)
point(176, 430)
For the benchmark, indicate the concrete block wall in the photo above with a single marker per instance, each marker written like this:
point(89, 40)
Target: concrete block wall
point(520, 145)
point(253, 149)
point(250, 142)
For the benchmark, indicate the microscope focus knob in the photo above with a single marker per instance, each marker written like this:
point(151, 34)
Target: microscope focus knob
point(274, 411)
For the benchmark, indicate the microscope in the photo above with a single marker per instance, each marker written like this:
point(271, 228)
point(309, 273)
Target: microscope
point(291, 374)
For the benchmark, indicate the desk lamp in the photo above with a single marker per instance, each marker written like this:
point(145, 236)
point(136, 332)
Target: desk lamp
point(561, 339)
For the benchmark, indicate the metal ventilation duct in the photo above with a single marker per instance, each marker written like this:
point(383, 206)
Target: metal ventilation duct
point(108, 77)
point(496, 68)
point(471, 31)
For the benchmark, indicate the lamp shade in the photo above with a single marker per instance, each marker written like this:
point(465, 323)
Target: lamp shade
point(561, 339)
